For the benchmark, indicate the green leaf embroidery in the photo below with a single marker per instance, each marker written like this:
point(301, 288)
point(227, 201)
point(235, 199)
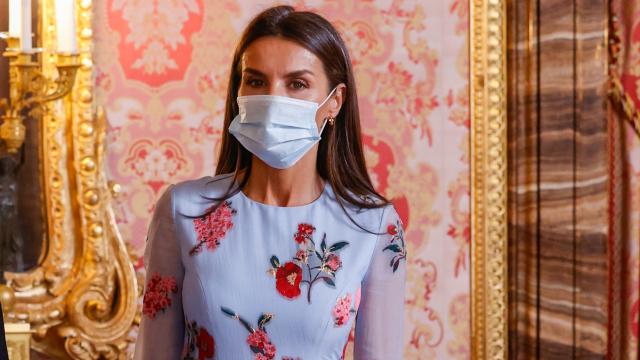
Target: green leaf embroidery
point(393, 247)
point(228, 311)
point(264, 319)
point(275, 262)
point(246, 325)
point(234, 315)
point(338, 246)
point(329, 281)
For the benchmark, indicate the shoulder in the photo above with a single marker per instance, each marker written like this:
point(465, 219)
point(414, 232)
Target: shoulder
point(210, 186)
point(383, 218)
point(375, 216)
point(390, 221)
point(200, 193)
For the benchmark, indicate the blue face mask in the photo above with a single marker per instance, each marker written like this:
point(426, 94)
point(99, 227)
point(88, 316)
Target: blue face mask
point(277, 129)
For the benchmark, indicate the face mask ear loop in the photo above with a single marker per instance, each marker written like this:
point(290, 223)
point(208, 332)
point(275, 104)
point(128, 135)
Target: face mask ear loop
point(321, 129)
point(322, 103)
point(328, 97)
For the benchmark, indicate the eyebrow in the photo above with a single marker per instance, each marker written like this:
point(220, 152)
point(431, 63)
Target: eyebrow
point(292, 74)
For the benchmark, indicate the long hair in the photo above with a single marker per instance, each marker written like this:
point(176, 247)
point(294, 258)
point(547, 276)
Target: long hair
point(340, 158)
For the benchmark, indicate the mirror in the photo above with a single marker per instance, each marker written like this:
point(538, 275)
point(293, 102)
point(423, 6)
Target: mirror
point(22, 218)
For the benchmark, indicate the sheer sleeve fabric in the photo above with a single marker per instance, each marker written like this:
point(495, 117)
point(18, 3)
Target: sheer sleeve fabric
point(161, 332)
point(380, 317)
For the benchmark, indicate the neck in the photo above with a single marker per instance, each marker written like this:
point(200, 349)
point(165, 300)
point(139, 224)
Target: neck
point(295, 186)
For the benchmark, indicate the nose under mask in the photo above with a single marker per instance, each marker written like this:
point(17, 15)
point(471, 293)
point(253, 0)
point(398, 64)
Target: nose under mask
point(279, 130)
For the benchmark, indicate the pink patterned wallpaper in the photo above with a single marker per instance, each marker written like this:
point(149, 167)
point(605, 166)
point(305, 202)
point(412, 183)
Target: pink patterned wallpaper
point(629, 14)
point(161, 74)
point(632, 246)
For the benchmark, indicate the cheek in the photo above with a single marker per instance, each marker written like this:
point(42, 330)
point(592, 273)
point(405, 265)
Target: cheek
point(241, 90)
point(244, 90)
point(320, 115)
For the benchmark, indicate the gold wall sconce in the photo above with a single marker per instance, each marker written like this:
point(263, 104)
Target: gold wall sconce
point(81, 301)
point(30, 90)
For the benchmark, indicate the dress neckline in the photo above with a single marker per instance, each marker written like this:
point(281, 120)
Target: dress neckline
point(296, 207)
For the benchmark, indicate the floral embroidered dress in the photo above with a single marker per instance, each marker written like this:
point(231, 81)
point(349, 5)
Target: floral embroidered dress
point(254, 281)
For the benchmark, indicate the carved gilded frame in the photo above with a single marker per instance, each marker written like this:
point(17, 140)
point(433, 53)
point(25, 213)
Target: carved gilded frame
point(82, 299)
point(488, 89)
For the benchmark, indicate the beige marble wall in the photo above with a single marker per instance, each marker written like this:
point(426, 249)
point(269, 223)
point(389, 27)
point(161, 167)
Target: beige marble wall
point(558, 179)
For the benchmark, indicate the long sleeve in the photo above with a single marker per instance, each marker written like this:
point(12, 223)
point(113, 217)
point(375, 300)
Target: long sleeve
point(161, 332)
point(380, 317)
point(3, 344)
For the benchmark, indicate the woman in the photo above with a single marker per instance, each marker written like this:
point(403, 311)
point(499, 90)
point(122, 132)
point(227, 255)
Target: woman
point(274, 257)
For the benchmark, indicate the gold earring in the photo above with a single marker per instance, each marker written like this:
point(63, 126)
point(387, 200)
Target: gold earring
point(331, 120)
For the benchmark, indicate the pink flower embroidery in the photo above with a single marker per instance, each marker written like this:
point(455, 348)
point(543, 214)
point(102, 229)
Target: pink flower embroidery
point(156, 296)
point(302, 256)
point(257, 339)
point(333, 262)
point(342, 310)
point(211, 228)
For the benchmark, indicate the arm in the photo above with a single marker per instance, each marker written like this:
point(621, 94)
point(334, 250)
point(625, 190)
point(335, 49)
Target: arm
point(379, 321)
point(161, 333)
point(3, 345)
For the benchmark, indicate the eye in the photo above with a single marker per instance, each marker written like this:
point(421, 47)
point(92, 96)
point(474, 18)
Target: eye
point(254, 82)
point(298, 85)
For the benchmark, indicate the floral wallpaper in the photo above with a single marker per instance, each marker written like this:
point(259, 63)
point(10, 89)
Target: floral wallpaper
point(161, 73)
point(629, 15)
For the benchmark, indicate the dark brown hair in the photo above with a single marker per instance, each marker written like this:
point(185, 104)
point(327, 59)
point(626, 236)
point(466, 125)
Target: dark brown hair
point(340, 154)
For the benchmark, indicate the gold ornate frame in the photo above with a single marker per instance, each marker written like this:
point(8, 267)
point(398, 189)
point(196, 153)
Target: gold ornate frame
point(82, 299)
point(488, 89)
point(85, 294)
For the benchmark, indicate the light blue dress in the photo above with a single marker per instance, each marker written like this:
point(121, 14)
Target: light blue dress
point(257, 281)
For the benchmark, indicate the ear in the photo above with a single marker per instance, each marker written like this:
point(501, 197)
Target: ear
point(337, 99)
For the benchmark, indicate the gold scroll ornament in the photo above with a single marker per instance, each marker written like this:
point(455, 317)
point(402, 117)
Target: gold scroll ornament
point(81, 301)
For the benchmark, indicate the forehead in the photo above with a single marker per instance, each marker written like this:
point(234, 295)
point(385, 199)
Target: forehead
point(275, 55)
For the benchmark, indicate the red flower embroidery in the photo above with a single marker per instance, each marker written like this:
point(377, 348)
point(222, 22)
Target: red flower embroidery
point(261, 345)
point(258, 340)
point(392, 229)
point(319, 265)
point(304, 233)
point(156, 296)
point(198, 338)
point(288, 279)
point(206, 345)
point(211, 228)
point(342, 310)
